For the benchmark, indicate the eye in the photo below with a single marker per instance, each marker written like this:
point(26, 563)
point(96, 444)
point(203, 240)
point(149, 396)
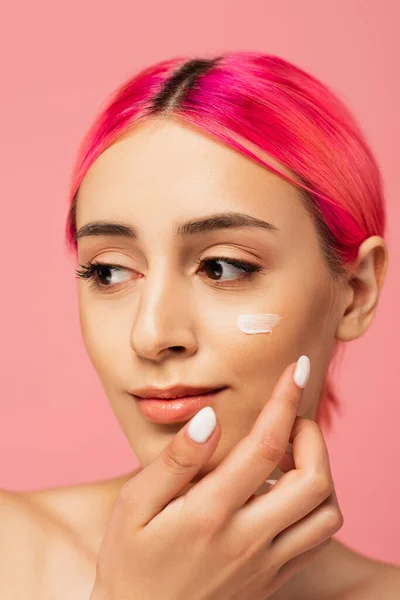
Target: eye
point(215, 269)
point(101, 274)
point(105, 275)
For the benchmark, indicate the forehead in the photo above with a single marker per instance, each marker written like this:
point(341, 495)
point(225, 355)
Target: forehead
point(164, 171)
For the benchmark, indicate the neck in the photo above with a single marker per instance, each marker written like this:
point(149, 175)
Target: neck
point(330, 575)
point(310, 582)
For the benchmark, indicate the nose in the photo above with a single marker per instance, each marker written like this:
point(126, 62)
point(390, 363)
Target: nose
point(163, 324)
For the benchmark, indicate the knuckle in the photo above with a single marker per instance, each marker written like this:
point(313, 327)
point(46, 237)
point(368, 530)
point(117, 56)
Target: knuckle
point(176, 459)
point(333, 518)
point(341, 520)
point(309, 424)
point(321, 484)
point(206, 519)
point(270, 447)
point(294, 399)
point(301, 423)
point(314, 424)
point(126, 494)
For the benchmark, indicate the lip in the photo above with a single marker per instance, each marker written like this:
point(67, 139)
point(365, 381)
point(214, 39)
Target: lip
point(176, 391)
point(161, 410)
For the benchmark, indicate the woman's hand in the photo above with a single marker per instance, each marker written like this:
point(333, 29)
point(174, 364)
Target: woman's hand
point(219, 541)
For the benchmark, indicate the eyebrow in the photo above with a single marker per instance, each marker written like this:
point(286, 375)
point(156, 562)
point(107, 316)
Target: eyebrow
point(226, 220)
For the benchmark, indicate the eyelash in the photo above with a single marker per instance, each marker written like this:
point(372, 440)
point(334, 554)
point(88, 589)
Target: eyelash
point(90, 272)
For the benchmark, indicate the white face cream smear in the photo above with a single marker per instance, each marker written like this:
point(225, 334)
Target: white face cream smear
point(253, 323)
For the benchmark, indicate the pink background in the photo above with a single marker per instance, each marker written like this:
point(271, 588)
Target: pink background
point(58, 63)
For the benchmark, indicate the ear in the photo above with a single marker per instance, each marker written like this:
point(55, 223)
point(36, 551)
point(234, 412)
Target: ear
point(362, 288)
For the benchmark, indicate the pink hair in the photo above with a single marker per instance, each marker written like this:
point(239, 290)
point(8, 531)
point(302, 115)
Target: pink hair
point(259, 102)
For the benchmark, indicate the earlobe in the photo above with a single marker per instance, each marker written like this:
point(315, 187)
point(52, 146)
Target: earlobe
point(362, 289)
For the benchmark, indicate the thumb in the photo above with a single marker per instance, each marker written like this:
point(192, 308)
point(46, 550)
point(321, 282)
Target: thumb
point(160, 482)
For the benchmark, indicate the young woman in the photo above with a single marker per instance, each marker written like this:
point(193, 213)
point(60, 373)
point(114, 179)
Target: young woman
point(227, 218)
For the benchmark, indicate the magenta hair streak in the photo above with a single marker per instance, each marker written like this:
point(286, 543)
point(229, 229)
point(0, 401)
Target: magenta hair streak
point(257, 103)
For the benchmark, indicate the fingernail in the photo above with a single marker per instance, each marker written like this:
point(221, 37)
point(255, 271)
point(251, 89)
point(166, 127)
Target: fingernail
point(289, 448)
point(202, 425)
point(272, 481)
point(302, 371)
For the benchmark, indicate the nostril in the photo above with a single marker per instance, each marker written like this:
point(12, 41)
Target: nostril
point(177, 348)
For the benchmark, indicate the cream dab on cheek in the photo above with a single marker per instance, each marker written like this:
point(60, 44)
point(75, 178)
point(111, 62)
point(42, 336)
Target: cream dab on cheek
point(257, 323)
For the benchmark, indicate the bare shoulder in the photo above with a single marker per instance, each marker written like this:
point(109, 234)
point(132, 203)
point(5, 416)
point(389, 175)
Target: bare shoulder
point(80, 511)
point(347, 574)
point(19, 521)
point(22, 537)
point(49, 539)
point(82, 508)
point(381, 581)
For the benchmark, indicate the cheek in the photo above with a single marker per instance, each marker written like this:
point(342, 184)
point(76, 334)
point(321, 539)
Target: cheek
point(253, 324)
point(105, 337)
point(299, 325)
point(309, 318)
point(253, 360)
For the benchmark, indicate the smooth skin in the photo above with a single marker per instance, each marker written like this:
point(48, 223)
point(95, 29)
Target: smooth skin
point(211, 546)
point(156, 177)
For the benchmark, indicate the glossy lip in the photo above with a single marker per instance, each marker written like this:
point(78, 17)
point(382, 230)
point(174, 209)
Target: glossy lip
point(176, 391)
point(176, 410)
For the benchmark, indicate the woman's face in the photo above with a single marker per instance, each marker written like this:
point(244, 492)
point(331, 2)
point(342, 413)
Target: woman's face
point(155, 178)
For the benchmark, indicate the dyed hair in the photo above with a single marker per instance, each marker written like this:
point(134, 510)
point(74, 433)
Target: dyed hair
point(259, 103)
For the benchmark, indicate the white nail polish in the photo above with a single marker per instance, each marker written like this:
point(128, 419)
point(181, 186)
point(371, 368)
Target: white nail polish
point(271, 481)
point(202, 425)
point(302, 371)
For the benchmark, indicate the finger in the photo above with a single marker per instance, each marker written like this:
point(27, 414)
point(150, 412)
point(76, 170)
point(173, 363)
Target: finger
point(287, 462)
point(159, 482)
point(323, 522)
point(297, 492)
point(252, 460)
